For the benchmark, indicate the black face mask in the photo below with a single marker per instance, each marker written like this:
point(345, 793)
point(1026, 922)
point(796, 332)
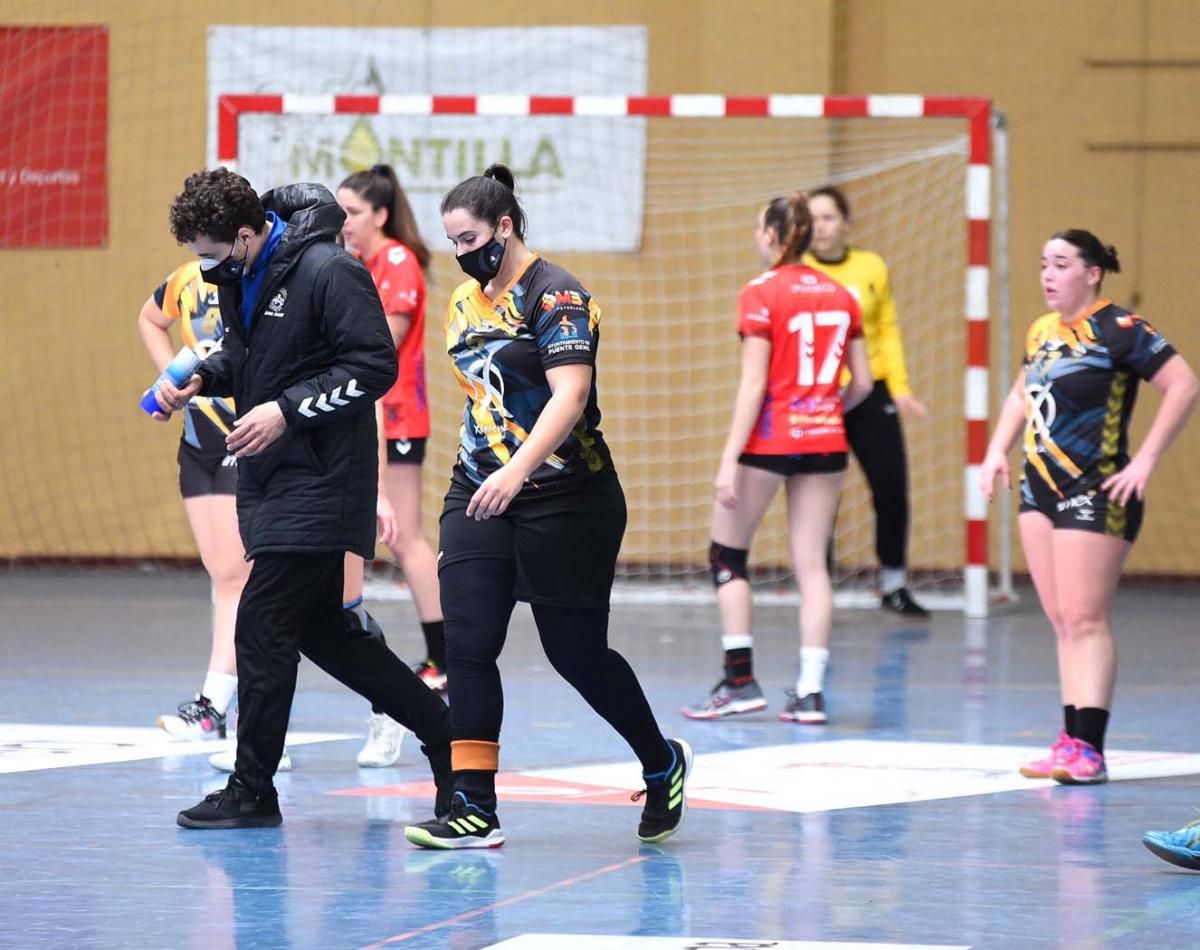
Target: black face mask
point(227, 271)
point(483, 263)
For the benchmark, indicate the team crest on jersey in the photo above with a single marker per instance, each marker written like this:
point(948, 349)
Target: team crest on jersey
point(396, 255)
point(566, 327)
point(275, 307)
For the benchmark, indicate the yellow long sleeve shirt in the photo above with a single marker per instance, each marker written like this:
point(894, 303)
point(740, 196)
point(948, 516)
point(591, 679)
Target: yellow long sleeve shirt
point(865, 275)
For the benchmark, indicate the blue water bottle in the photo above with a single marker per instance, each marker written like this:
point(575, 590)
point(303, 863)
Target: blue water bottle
point(178, 371)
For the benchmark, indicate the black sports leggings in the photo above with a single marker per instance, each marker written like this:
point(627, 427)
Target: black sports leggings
point(874, 433)
point(477, 601)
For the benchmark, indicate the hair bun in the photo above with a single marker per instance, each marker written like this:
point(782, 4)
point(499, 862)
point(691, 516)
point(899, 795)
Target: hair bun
point(1111, 263)
point(500, 172)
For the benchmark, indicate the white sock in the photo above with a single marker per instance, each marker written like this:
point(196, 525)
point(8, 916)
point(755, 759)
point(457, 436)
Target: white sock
point(813, 661)
point(892, 578)
point(739, 641)
point(219, 689)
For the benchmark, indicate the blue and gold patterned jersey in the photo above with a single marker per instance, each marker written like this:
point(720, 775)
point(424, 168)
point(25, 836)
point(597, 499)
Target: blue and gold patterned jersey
point(501, 350)
point(1080, 387)
point(184, 296)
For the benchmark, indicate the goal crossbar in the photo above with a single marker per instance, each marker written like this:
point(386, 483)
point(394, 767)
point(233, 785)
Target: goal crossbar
point(975, 111)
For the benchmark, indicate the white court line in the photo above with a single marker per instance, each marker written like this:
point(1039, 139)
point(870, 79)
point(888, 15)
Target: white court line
point(597, 942)
point(859, 773)
point(30, 747)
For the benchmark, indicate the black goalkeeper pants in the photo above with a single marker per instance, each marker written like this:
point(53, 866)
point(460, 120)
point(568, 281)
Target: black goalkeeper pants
point(874, 433)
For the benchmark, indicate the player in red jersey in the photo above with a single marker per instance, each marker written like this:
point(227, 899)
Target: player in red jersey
point(799, 329)
point(381, 231)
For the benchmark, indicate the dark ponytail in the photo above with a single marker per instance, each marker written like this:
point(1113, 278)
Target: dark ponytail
point(791, 221)
point(1091, 250)
point(489, 197)
point(380, 188)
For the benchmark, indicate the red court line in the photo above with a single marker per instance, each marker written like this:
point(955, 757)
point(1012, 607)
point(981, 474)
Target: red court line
point(537, 892)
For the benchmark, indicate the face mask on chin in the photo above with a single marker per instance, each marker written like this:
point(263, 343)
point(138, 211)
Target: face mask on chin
point(483, 263)
point(223, 272)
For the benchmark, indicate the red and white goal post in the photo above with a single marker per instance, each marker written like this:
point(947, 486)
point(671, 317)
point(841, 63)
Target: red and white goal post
point(709, 162)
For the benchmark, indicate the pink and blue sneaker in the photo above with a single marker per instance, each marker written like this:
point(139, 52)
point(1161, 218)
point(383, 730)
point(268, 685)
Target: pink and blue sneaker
point(1080, 764)
point(1044, 767)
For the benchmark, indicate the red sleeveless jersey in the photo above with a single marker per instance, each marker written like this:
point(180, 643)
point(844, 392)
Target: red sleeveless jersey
point(401, 286)
point(808, 318)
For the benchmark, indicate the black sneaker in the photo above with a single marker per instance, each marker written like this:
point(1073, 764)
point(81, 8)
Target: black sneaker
point(443, 779)
point(666, 797)
point(900, 602)
point(808, 709)
point(234, 806)
point(465, 826)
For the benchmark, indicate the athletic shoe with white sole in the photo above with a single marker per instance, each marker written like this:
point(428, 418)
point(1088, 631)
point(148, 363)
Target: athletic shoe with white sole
point(383, 742)
point(466, 826)
point(195, 719)
point(224, 761)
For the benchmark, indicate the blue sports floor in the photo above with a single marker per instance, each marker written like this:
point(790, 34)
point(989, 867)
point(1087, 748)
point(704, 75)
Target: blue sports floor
point(899, 824)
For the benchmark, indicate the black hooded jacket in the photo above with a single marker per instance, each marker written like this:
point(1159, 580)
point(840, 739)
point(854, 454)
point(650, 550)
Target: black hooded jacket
point(320, 346)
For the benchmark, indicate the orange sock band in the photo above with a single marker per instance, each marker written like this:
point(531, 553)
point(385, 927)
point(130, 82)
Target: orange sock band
point(475, 755)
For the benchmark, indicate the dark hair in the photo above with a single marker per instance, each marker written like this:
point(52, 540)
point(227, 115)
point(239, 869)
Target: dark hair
point(1092, 252)
point(380, 188)
point(834, 194)
point(489, 197)
point(791, 221)
point(214, 203)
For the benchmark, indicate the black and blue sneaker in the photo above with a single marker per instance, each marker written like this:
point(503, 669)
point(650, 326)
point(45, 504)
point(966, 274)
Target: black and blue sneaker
point(666, 796)
point(466, 826)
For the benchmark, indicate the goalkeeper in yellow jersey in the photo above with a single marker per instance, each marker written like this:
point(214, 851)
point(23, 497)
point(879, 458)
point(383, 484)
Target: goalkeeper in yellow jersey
point(873, 427)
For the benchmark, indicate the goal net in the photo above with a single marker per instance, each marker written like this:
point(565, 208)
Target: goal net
point(651, 202)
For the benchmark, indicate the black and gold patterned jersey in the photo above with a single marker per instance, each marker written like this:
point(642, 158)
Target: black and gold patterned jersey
point(501, 350)
point(1081, 383)
point(185, 297)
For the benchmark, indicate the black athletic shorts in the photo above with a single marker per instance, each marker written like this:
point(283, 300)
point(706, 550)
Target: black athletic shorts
point(1087, 511)
point(205, 472)
point(564, 544)
point(822, 463)
point(405, 451)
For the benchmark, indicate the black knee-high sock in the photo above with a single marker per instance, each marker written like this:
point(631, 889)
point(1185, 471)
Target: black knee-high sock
point(435, 641)
point(576, 643)
point(1090, 726)
point(739, 665)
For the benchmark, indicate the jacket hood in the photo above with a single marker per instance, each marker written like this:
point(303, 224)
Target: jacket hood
point(310, 210)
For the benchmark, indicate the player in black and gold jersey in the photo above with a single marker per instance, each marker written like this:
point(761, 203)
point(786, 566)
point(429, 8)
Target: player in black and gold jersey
point(534, 512)
point(873, 427)
point(208, 483)
point(1082, 493)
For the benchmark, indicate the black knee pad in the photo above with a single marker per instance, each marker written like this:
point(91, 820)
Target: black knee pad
point(728, 564)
